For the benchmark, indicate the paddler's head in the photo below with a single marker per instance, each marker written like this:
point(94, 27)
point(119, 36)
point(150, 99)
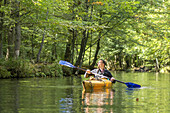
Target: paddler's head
point(101, 63)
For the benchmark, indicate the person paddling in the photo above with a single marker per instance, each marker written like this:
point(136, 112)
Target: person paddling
point(101, 71)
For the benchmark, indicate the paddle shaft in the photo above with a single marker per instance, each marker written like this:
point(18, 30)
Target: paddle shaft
point(120, 81)
point(80, 68)
point(91, 72)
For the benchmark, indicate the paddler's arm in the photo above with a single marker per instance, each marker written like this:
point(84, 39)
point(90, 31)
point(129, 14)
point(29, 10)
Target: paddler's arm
point(108, 74)
point(88, 73)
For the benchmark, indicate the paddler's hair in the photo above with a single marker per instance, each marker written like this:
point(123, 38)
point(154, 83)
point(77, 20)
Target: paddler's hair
point(103, 62)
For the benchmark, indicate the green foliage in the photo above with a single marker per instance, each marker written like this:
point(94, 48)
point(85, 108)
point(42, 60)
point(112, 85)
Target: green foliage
point(67, 71)
point(22, 68)
point(165, 69)
point(144, 35)
point(135, 30)
point(16, 68)
point(4, 73)
point(52, 70)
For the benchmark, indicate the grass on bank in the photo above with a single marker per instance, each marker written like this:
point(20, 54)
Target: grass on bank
point(22, 68)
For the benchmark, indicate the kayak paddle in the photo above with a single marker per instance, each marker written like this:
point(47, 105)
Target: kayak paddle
point(128, 84)
point(68, 64)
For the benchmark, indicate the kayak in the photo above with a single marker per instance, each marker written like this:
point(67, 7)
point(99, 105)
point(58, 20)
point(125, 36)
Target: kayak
point(94, 83)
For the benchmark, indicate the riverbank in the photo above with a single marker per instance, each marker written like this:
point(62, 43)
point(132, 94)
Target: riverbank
point(24, 68)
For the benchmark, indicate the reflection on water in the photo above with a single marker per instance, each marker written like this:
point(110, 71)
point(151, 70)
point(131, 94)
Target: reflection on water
point(130, 91)
point(95, 100)
point(58, 95)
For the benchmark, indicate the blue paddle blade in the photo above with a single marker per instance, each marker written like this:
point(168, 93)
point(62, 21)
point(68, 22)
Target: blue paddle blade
point(65, 63)
point(132, 85)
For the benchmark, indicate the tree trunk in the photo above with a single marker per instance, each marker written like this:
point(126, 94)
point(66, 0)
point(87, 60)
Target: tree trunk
point(98, 46)
point(82, 49)
point(73, 33)
point(120, 60)
point(1, 31)
point(68, 52)
point(91, 35)
point(32, 47)
point(115, 62)
point(127, 59)
point(17, 30)
point(17, 39)
point(135, 60)
point(1, 42)
point(42, 43)
point(73, 45)
point(90, 49)
point(95, 57)
point(1, 46)
point(54, 54)
point(11, 37)
point(84, 39)
point(157, 65)
point(54, 48)
point(54, 51)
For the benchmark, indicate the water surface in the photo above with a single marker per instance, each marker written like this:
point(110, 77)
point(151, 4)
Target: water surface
point(65, 94)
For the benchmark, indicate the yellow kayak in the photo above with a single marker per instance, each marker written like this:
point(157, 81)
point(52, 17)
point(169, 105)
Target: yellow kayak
point(94, 83)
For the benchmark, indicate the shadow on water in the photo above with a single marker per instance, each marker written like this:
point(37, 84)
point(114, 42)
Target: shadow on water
point(130, 91)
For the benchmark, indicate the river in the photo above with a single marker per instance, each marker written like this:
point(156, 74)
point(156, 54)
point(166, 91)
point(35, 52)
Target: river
point(66, 95)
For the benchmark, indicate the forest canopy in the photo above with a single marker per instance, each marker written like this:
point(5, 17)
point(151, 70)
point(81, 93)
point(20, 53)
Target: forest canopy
point(126, 33)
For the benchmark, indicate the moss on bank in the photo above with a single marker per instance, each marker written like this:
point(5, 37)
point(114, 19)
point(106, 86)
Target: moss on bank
point(22, 68)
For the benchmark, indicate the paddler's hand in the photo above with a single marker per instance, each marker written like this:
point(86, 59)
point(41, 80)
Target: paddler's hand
point(113, 79)
point(88, 71)
point(86, 75)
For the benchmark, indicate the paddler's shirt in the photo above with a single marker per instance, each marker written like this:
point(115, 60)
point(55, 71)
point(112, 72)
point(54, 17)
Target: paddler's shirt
point(105, 72)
